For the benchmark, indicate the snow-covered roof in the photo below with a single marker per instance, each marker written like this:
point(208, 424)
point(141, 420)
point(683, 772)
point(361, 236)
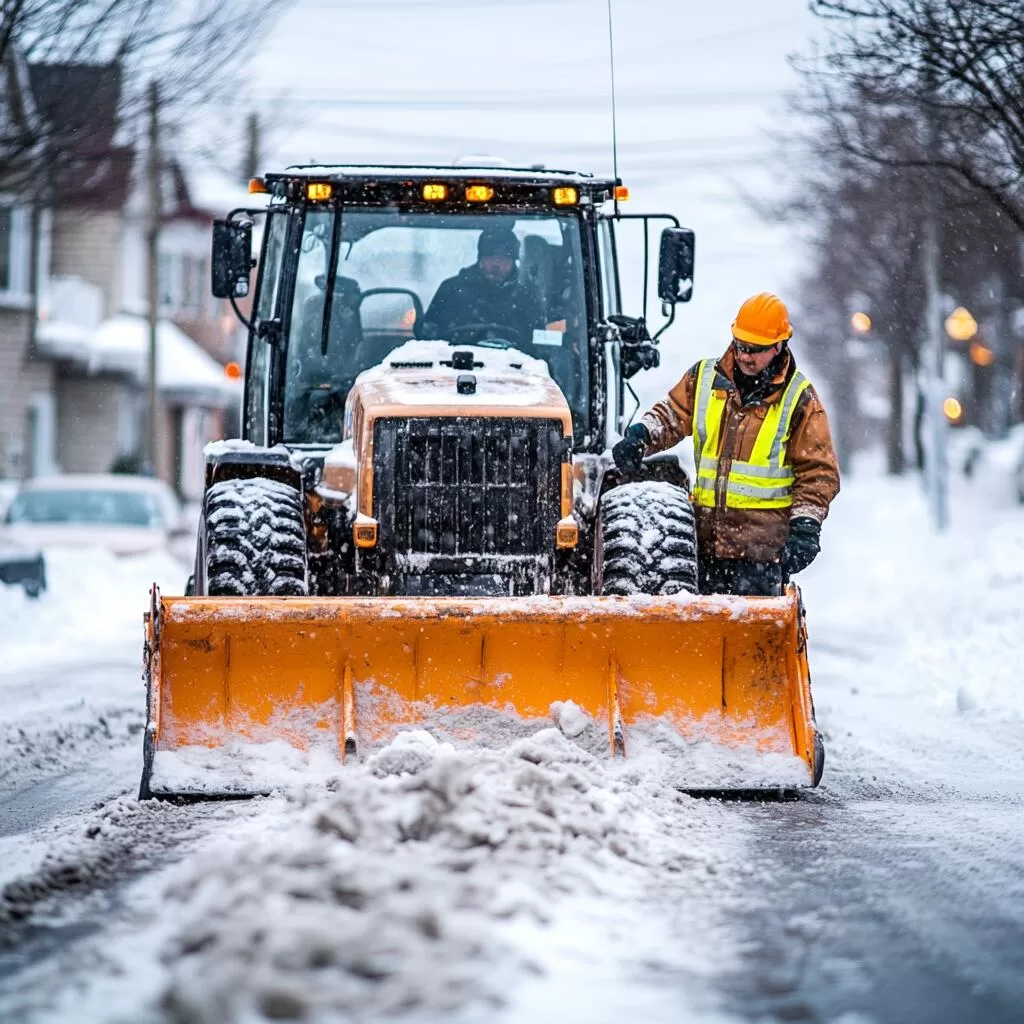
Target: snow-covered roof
point(121, 345)
point(215, 192)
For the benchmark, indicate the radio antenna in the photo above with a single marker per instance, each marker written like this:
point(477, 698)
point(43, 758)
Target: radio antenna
point(615, 141)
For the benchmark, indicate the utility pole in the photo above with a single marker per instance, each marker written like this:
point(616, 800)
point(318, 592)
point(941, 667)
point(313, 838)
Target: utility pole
point(936, 455)
point(153, 275)
point(251, 163)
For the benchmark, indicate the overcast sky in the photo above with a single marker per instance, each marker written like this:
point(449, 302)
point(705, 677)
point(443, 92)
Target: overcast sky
point(700, 86)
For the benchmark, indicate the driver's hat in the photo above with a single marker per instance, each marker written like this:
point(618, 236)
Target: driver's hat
point(498, 242)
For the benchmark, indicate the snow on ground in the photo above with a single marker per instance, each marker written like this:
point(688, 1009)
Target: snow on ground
point(93, 604)
point(917, 636)
point(539, 881)
point(70, 660)
point(476, 885)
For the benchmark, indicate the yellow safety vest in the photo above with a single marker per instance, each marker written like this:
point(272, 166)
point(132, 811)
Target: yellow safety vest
point(766, 481)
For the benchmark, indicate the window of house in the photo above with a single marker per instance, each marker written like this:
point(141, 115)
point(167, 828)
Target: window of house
point(5, 248)
point(168, 298)
point(14, 252)
point(192, 275)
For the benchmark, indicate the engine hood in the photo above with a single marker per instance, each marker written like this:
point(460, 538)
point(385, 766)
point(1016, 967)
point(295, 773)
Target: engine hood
point(417, 379)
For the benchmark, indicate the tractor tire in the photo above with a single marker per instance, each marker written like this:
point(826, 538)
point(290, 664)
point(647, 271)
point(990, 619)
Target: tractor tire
point(254, 540)
point(646, 541)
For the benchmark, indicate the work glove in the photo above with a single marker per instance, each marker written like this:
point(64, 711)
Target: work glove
point(803, 544)
point(629, 452)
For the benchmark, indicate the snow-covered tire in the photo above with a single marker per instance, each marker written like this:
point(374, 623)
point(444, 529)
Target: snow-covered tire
point(255, 540)
point(646, 540)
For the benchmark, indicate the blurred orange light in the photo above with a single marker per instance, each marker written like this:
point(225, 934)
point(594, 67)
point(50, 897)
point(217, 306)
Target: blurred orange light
point(621, 193)
point(435, 192)
point(319, 190)
point(257, 186)
point(981, 355)
point(233, 371)
point(952, 409)
point(566, 196)
point(960, 325)
point(479, 193)
point(860, 322)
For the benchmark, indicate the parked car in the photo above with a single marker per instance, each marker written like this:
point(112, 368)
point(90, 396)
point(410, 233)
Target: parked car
point(21, 566)
point(122, 513)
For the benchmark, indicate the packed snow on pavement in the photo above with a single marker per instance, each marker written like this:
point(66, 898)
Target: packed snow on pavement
point(537, 881)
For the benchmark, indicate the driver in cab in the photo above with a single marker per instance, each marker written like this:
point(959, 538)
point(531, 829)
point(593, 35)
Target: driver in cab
point(488, 292)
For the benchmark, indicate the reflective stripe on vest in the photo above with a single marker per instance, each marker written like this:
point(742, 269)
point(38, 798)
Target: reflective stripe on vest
point(766, 480)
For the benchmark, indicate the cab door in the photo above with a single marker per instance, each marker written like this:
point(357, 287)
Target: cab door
point(267, 314)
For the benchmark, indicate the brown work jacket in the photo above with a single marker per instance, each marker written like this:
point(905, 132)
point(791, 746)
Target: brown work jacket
point(755, 535)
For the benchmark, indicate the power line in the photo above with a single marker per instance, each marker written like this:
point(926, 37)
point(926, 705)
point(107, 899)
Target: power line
point(654, 146)
point(551, 101)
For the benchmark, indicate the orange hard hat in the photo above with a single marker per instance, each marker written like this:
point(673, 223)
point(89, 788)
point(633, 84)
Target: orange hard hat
point(762, 320)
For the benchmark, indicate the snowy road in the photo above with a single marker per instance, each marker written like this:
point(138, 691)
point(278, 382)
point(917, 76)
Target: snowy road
point(540, 884)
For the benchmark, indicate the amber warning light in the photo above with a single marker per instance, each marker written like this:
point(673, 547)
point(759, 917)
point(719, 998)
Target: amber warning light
point(233, 371)
point(479, 193)
point(435, 192)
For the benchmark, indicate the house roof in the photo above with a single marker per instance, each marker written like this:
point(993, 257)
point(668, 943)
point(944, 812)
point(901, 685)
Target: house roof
point(121, 345)
point(80, 103)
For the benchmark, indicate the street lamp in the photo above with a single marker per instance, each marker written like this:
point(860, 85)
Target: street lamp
point(860, 322)
point(960, 325)
point(980, 354)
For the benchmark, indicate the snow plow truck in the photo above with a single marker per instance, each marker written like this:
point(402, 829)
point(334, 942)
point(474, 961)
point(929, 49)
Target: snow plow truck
point(420, 527)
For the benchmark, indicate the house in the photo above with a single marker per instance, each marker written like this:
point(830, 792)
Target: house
point(26, 381)
point(81, 366)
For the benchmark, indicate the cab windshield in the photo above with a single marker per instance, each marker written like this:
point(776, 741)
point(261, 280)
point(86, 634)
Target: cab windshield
point(497, 280)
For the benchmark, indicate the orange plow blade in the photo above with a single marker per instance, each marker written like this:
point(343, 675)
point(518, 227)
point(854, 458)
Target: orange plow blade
point(244, 690)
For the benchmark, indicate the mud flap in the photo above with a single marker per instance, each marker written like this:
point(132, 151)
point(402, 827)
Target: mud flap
point(277, 680)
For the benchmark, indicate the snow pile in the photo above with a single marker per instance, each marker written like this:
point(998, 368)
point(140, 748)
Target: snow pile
point(94, 603)
point(410, 891)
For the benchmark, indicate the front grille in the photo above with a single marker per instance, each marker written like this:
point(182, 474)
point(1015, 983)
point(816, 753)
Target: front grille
point(467, 485)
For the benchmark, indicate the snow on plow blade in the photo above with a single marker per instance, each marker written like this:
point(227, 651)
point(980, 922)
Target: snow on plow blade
point(244, 690)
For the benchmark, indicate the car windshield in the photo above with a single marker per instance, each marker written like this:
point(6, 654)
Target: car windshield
point(424, 275)
point(87, 507)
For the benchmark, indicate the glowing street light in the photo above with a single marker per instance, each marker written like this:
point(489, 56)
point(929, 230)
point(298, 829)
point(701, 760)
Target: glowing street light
point(981, 355)
point(860, 322)
point(960, 325)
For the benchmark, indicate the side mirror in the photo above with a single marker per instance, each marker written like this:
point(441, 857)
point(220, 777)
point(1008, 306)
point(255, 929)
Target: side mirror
point(675, 265)
point(232, 258)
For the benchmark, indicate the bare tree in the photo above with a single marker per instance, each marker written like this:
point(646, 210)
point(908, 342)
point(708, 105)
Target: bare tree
point(962, 59)
point(195, 48)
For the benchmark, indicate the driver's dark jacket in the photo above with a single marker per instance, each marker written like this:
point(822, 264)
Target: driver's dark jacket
point(469, 298)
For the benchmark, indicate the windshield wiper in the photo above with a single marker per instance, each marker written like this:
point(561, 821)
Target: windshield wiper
point(332, 270)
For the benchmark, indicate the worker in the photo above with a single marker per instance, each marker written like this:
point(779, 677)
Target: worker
point(766, 468)
point(488, 292)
